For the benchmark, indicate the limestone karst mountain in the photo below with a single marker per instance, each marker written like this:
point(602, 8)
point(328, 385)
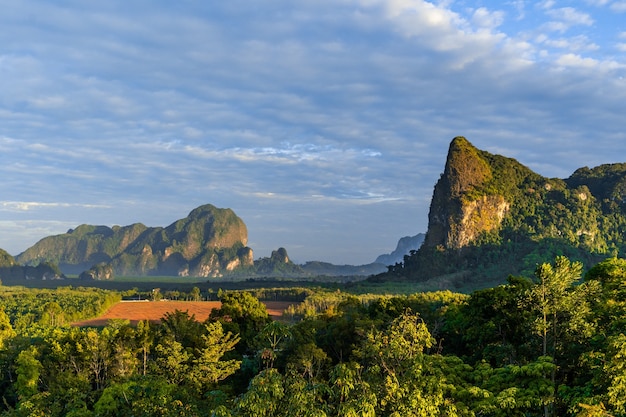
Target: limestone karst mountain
point(208, 242)
point(491, 216)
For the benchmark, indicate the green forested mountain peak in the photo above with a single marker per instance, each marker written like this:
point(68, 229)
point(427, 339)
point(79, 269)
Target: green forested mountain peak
point(473, 195)
point(606, 182)
point(6, 260)
point(207, 242)
point(491, 216)
point(465, 168)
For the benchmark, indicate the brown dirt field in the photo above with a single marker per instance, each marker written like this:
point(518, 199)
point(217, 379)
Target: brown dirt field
point(154, 310)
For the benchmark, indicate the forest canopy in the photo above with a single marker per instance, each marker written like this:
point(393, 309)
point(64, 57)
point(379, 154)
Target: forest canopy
point(549, 344)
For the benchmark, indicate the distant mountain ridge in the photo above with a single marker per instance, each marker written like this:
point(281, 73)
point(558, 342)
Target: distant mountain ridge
point(209, 242)
point(404, 247)
point(491, 216)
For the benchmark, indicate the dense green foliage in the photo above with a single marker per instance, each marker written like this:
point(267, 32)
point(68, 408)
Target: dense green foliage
point(27, 308)
point(550, 344)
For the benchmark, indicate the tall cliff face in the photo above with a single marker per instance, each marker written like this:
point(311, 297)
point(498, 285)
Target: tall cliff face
point(491, 216)
point(207, 242)
point(459, 213)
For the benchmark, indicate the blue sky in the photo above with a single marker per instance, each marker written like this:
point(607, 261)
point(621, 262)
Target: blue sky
point(323, 124)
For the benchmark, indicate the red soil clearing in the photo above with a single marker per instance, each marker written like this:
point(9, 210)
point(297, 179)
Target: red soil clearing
point(154, 310)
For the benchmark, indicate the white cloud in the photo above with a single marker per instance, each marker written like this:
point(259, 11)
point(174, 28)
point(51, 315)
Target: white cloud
point(575, 43)
point(560, 27)
point(49, 102)
point(565, 18)
point(17, 206)
point(520, 8)
point(417, 18)
point(618, 6)
point(546, 4)
point(577, 61)
point(485, 19)
point(462, 40)
point(287, 154)
point(571, 16)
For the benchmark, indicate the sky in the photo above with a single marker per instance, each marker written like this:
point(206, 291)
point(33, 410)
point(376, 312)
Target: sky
point(324, 124)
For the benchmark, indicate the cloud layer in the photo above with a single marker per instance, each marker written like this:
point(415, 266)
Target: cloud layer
point(323, 124)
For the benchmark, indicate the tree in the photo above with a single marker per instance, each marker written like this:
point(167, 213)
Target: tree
point(551, 297)
point(398, 370)
point(612, 275)
point(52, 314)
point(28, 372)
point(511, 390)
point(122, 344)
point(244, 314)
point(611, 306)
point(97, 348)
point(145, 397)
point(183, 328)
point(156, 294)
point(208, 367)
point(615, 368)
point(195, 294)
point(269, 339)
point(264, 396)
point(563, 310)
point(144, 337)
point(491, 326)
point(351, 395)
point(308, 361)
point(6, 330)
point(343, 328)
point(171, 361)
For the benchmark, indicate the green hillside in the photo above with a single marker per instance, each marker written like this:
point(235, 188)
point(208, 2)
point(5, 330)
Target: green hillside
point(6, 260)
point(491, 216)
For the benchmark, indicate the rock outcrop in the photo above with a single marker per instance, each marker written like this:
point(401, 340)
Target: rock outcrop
point(459, 212)
point(99, 272)
point(277, 264)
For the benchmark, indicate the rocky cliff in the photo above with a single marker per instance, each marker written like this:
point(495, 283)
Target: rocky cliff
point(462, 207)
point(206, 243)
point(491, 216)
